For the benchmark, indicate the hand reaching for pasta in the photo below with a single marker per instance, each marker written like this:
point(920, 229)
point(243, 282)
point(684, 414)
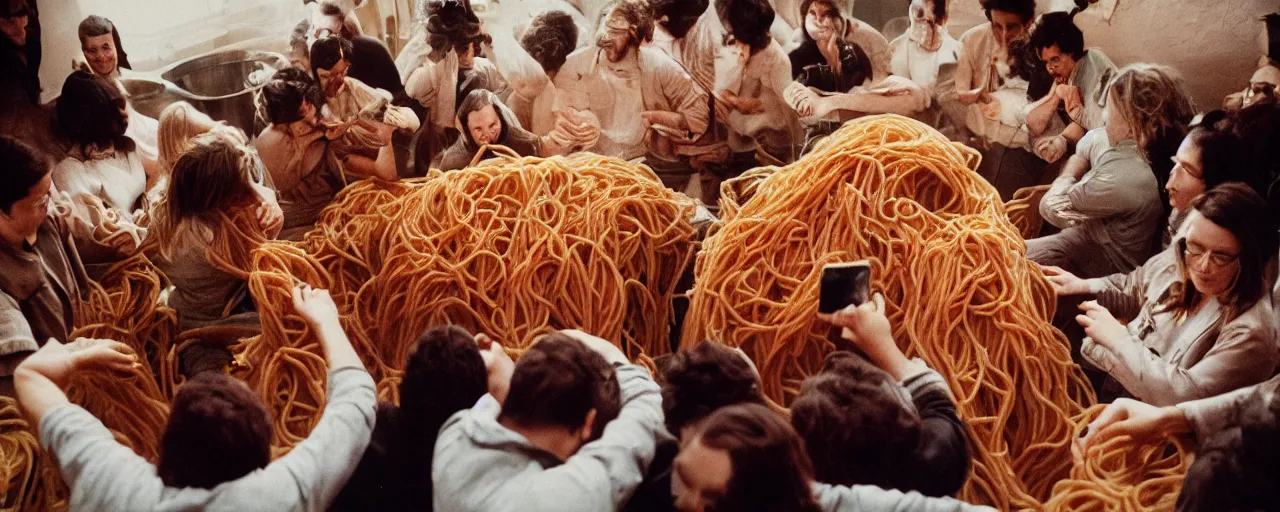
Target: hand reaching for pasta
point(1101, 326)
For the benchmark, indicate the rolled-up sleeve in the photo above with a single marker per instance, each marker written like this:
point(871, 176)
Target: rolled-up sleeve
point(15, 333)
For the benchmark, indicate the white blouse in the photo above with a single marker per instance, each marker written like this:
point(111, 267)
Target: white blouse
point(119, 180)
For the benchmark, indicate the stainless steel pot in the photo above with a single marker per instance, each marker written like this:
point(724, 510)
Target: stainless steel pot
point(221, 84)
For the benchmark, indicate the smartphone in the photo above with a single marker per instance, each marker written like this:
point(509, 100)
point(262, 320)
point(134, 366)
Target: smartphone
point(844, 284)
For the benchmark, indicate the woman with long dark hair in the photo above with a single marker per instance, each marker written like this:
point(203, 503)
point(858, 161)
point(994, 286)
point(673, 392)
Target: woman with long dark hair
point(445, 373)
point(104, 175)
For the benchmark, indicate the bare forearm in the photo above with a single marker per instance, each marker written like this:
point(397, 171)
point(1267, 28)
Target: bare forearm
point(37, 394)
point(1041, 113)
point(1073, 133)
point(337, 346)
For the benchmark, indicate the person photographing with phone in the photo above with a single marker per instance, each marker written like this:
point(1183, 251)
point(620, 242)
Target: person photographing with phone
point(891, 422)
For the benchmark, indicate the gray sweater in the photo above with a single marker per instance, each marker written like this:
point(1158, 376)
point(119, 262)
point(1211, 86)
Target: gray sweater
point(481, 466)
point(1116, 205)
point(105, 475)
point(859, 498)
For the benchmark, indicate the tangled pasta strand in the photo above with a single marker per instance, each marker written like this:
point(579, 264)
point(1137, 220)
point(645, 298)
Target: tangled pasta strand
point(1123, 473)
point(959, 289)
point(514, 248)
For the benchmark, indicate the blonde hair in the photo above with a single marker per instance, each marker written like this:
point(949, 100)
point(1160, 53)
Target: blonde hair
point(179, 123)
point(215, 174)
point(1152, 99)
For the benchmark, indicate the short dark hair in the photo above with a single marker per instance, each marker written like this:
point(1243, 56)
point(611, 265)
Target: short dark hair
point(327, 52)
point(557, 382)
point(697, 381)
point(1258, 129)
point(23, 168)
point(218, 431)
point(443, 375)
point(1239, 209)
point(748, 21)
point(452, 25)
point(681, 15)
point(89, 111)
point(551, 37)
point(1058, 28)
point(1025, 9)
point(770, 470)
point(856, 432)
point(1218, 146)
point(284, 94)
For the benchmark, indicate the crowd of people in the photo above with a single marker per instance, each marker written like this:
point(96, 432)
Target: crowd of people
point(1161, 245)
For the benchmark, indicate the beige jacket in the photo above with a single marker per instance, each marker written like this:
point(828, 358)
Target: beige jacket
point(664, 87)
point(1161, 369)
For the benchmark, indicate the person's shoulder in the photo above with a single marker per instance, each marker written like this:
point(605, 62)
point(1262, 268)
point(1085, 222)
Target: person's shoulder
point(1260, 317)
point(977, 34)
point(1096, 57)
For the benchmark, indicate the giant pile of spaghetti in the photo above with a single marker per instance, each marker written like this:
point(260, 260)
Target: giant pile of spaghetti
point(513, 248)
point(960, 290)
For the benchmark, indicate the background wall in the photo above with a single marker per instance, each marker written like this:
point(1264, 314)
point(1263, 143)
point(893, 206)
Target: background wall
point(1213, 43)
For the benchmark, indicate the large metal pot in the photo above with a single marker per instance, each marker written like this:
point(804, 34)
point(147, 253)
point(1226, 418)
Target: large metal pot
point(221, 84)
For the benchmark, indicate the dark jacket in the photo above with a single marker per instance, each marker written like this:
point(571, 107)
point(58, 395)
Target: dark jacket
point(513, 136)
point(942, 459)
point(372, 64)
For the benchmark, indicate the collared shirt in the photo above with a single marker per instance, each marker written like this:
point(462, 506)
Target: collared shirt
point(38, 286)
point(1092, 75)
point(1170, 359)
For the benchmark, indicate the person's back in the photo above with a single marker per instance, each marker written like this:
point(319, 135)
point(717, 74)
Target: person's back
point(214, 214)
point(1136, 211)
point(445, 373)
point(215, 452)
point(535, 451)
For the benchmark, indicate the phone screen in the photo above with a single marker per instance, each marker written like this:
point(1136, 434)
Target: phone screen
point(844, 284)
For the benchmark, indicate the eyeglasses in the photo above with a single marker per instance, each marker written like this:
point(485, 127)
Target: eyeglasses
point(1197, 253)
point(1056, 61)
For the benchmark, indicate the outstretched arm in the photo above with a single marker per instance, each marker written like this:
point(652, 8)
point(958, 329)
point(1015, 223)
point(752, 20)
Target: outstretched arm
point(40, 379)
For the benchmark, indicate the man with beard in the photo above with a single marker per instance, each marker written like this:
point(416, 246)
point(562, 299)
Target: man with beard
point(642, 99)
point(452, 69)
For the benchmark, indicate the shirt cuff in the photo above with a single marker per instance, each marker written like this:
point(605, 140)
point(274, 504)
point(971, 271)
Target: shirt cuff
point(925, 378)
point(1096, 285)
